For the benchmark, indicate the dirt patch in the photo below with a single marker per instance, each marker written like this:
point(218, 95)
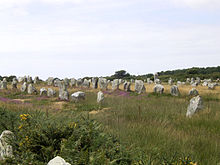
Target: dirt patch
point(94, 112)
point(22, 100)
point(59, 105)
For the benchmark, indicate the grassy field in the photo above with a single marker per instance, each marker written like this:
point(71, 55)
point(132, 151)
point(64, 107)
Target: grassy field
point(150, 128)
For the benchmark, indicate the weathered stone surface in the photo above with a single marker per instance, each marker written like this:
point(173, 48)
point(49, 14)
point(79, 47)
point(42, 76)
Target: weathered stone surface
point(29, 79)
point(158, 89)
point(79, 82)
point(174, 90)
point(195, 84)
point(31, 89)
point(100, 97)
point(170, 81)
point(77, 96)
point(51, 92)
point(66, 82)
point(194, 106)
point(50, 81)
point(6, 149)
point(103, 83)
point(86, 83)
point(63, 93)
point(156, 76)
point(24, 87)
point(149, 81)
point(14, 83)
point(139, 86)
point(72, 82)
point(157, 81)
point(192, 81)
point(211, 86)
point(188, 80)
point(36, 80)
point(94, 83)
point(20, 79)
point(57, 82)
point(205, 83)
point(43, 92)
point(193, 92)
point(58, 161)
point(198, 80)
point(127, 86)
point(115, 84)
point(3, 84)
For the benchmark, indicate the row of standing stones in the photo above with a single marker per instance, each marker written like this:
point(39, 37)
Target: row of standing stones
point(196, 103)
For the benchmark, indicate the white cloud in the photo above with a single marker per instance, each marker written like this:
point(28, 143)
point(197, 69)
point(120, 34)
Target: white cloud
point(213, 4)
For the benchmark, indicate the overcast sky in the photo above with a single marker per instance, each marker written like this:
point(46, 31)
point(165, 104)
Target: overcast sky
point(77, 38)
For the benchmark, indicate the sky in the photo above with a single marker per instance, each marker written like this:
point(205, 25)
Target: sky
point(78, 38)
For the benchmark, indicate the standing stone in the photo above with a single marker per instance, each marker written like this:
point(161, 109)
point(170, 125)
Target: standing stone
point(14, 83)
point(132, 81)
point(66, 82)
point(158, 89)
point(43, 91)
point(100, 97)
point(3, 84)
point(51, 92)
point(157, 81)
point(103, 83)
point(193, 92)
point(155, 77)
point(205, 83)
point(29, 79)
point(6, 149)
point(50, 81)
point(127, 86)
point(94, 83)
point(139, 86)
point(25, 79)
point(192, 81)
point(211, 86)
point(115, 84)
point(195, 84)
point(57, 82)
point(77, 96)
point(194, 106)
point(174, 90)
point(188, 80)
point(31, 89)
point(72, 82)
point(57, 161)
point(179, 83)
point(198, 80)
point(170, 81)
point(24, 87)
point(63, 93)
point(86, 83)
point(79, 82)
point(36, 80)
point(20, 79)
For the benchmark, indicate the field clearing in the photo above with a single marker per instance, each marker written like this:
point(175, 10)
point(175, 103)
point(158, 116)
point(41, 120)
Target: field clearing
point(152, 126)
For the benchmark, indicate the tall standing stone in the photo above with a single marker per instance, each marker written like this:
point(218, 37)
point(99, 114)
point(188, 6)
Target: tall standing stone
point(100, 97)
point(6, 149)
point(36, 80)
point(63, 93)
point(50, 81)
point(24, 87)
point(14, 83)
point(170, 81)
point(31, 89)
point(94, 83)
point(103, 83)
point(156, 77)
point(127, 86)
point(72, 82)
point(86, 83)
point(115, 84)
point(79, 82)
point(4, 84)
point(29, 79)
point(139, 86)
point(66, 82)
point(194, 106)
point(43, 92)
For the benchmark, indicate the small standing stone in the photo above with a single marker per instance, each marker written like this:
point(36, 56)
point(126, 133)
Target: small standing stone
point(43, 91)
point(193, 92)
point(14, 83)
point(158, 89)
point(100, 97)
point(51, 92)
point(78, 96)
point(72, 82)
point(24, 87)
point(174, 90)
point(31, 89)
point(58, 161)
